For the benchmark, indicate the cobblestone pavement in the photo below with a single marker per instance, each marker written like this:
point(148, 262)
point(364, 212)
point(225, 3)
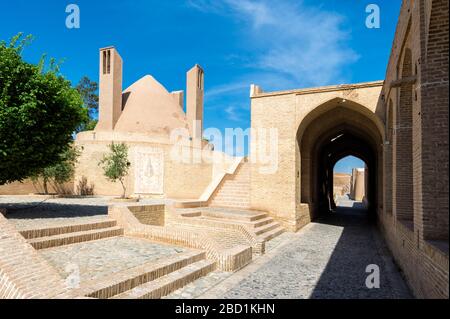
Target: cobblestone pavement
point(202, 285)
point(327, 259)
point(34, 211)
point(104, 257)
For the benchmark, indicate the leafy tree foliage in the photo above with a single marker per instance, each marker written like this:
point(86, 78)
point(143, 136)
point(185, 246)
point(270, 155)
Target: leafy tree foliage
point(39, 111)
point(61, 172)
point(88, 91)
point(115, 164)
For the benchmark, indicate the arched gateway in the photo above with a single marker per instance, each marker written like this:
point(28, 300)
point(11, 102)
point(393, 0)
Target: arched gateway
point(316, 128)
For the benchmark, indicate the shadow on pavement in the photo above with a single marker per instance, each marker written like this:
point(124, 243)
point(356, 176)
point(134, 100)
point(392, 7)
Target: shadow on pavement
point(359, 245)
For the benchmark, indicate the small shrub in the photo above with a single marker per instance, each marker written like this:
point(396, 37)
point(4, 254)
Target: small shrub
point(83, 188)
point(115, 164)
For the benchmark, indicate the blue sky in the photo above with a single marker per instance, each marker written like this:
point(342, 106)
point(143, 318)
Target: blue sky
point(346, 164)
point(278, 45)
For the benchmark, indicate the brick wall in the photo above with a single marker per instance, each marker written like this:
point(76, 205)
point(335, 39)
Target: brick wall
point(180, 180)
point(403, 155)
point(29, 187)
point(150, 214)
point(23, 272)
point(420, 50)
point(434, 119)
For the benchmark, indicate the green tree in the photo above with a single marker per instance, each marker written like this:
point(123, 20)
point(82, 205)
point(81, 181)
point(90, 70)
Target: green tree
point(88, 91)
point(115, 164)
point(39, 111)
point(59, 173)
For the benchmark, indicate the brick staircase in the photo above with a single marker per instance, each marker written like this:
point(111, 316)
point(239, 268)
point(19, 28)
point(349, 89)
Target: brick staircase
point(234, 189)
point(260, 224)
point(152, 280)
point(56, 236)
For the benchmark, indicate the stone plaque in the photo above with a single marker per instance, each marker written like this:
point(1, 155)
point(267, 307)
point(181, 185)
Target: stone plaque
point(148, 171)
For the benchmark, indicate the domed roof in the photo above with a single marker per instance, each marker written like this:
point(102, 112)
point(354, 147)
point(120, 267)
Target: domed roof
point(149, 108)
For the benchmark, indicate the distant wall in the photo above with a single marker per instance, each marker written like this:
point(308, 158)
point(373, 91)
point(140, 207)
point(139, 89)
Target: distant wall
point(29, 187)
point(341, 183)
point(358, 184)
point(154, 172)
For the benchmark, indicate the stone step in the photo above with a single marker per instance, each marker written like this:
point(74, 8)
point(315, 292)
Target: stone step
point(236, 215)
point(231, 199)
point(233, 192)
point(128, 279)
point(231, 187)
point(190, 214)
point(233, 206)
point(76, 237)
point(261, 222)
point(233, 183)
point(231, 195)
point(64, 229)
point(266, 228)
point(271, 234)
point(230, 203)
point(256, 227)
point(163, 286)
point(249, 224)
point(190, 204)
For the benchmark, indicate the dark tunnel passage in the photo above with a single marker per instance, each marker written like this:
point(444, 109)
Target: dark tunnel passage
point(338, 130)
point(333, 149)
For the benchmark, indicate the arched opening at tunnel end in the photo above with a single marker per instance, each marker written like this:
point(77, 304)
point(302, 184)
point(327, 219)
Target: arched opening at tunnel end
point(330, 133)
point(350, 177)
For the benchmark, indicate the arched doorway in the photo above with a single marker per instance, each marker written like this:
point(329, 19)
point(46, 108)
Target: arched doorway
point(332, 131)
point(349, 183)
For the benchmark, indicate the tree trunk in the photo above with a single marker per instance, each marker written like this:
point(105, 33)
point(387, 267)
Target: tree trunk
point(124, 189)
point(45, 186)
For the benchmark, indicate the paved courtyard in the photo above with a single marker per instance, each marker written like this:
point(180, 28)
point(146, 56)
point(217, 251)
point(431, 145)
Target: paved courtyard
point(326, 259)
point(33, 211)
point(96, 259)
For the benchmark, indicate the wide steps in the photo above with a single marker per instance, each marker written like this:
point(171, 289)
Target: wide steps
point(266, 236)
point(232, 194)
point(163, 286)
point(261, 222)
point(230, 205)
point(129, 279)
point(75, 237)
point(234, 191)
point(266, 228)
point(229, 214)
point(64, 229)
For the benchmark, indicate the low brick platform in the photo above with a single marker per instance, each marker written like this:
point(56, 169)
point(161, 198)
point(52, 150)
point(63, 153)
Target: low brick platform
point(256, 227)
point(70, 253)
point(106, 257)
point(227, 247)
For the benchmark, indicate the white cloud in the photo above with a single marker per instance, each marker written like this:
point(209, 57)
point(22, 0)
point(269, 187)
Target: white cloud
point(233, 113)
point(225, 89)
point(299, 45)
